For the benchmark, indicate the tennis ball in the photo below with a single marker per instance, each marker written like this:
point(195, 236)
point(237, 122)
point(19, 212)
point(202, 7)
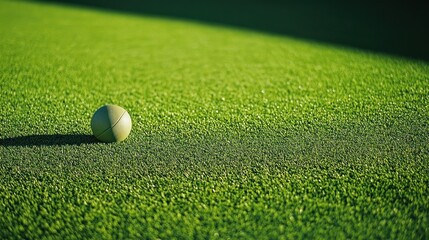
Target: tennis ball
point(111, 123)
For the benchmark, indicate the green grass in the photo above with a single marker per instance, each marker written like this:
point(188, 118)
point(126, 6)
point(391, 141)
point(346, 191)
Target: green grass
point(236, 134)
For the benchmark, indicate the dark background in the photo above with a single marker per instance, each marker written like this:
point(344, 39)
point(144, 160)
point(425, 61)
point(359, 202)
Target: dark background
point(393, 27)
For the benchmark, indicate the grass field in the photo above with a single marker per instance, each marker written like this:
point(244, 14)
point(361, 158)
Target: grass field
point(236, 134)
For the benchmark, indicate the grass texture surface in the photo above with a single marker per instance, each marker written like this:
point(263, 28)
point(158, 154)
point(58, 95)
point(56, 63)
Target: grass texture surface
point(236, 134)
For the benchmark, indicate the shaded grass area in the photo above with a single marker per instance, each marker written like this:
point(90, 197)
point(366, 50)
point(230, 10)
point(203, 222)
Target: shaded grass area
point(394, 27)
point(48, 140)
point(235, 134)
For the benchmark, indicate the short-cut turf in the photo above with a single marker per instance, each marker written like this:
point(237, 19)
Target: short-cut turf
point(236, 134)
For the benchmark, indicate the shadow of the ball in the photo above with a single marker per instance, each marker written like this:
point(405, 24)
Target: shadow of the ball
point(48, 140)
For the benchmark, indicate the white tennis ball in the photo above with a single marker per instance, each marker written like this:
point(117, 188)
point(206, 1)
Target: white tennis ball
point(111, 123)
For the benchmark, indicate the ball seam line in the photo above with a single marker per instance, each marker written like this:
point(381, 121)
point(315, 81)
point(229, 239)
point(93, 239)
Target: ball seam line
point(111, 127)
